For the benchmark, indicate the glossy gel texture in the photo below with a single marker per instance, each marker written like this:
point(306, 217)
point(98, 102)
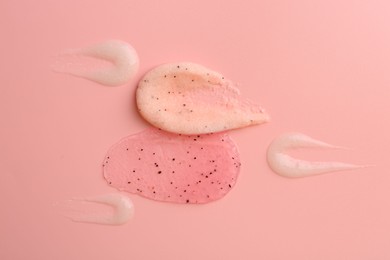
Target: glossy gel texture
point(174, 168)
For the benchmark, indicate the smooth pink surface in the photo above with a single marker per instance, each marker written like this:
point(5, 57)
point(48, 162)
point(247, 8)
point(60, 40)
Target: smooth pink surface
point(318, 67)
point(174, 168)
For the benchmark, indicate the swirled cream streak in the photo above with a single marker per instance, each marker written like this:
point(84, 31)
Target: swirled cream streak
point(287, 166)
point(122, 56)
point(78, 209)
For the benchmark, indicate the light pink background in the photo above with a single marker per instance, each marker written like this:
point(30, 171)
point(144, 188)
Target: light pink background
point(318, 67)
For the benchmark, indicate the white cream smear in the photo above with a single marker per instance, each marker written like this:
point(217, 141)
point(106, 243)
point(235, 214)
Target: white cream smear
point(80, 210)
point(121, 55)
point(287, 166)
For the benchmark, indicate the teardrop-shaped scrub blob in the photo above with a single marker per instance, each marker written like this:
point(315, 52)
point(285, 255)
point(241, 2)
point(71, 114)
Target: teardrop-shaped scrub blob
point(287, 166)
point(174, 168)
point(121, 55)
point(190, 99)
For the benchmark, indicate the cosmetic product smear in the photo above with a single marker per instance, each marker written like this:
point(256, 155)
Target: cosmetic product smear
point(287, 166)
point(188, 98)
point(109, 209)
point(120, 60)
point(174, 168)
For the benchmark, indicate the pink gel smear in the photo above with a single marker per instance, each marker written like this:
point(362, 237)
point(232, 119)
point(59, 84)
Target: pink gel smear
point(172, 167)
point(188, 98)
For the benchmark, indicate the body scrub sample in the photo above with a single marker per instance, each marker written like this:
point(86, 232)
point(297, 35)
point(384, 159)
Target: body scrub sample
point(188, 98)
point(172, 167)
